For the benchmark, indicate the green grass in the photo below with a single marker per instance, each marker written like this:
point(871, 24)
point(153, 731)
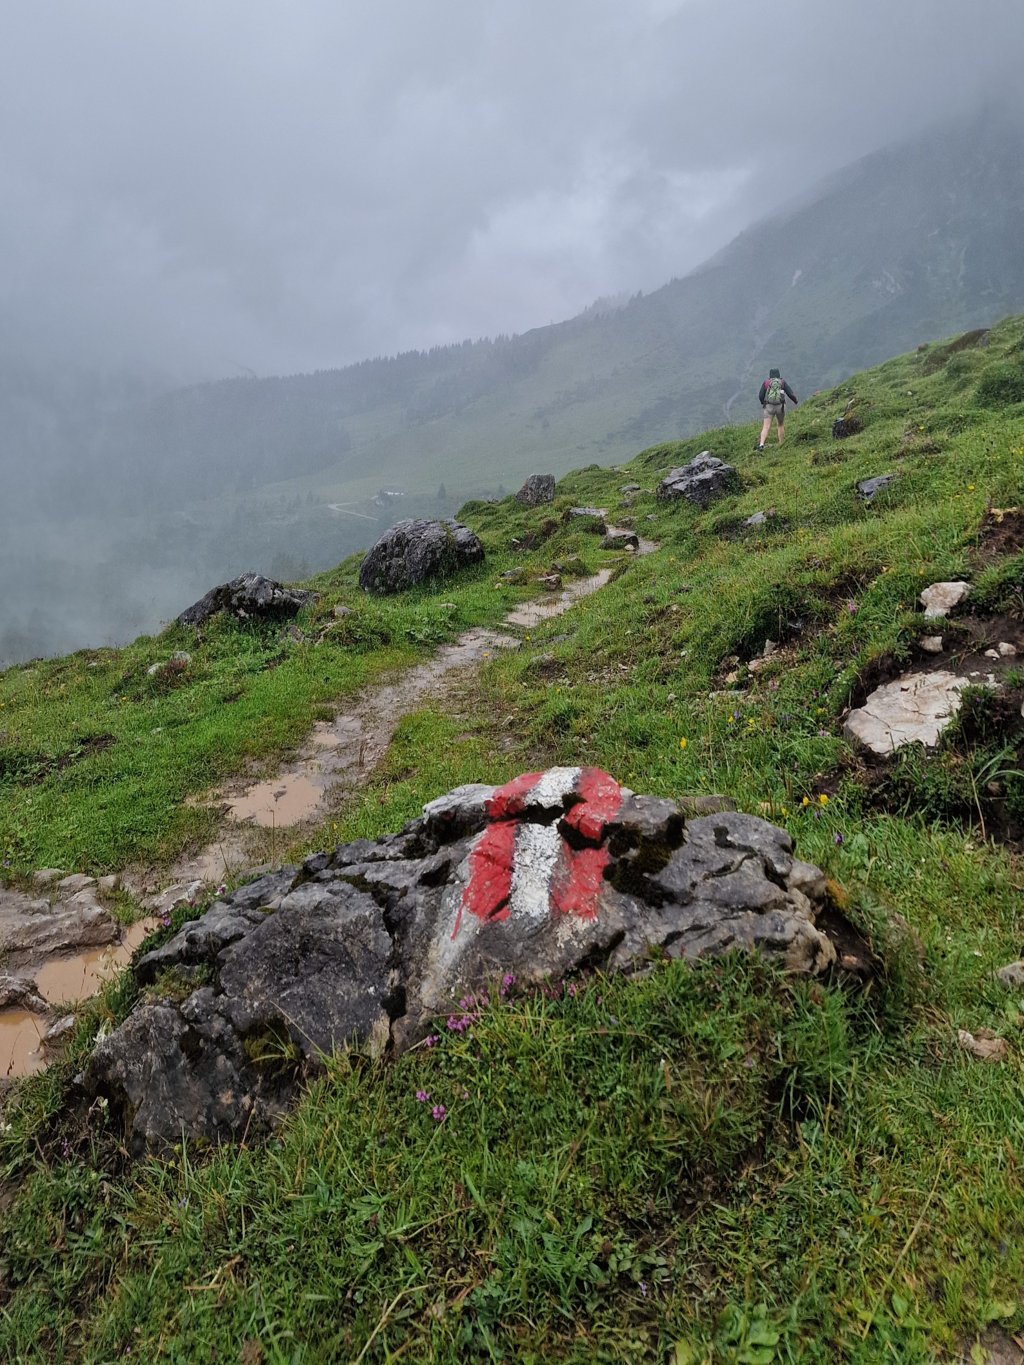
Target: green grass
point(712, 1164)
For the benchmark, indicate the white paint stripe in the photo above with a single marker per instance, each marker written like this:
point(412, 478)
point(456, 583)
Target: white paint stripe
point(553, 786)
point(538, 849)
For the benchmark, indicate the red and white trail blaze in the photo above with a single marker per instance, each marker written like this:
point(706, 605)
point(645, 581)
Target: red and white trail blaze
point(524, 871)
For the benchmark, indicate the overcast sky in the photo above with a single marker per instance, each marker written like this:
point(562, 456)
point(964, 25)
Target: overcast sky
point(210, 186)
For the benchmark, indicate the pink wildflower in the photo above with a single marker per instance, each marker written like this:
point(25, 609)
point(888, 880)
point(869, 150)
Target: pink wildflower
point(438, 1113)
point(423, 1096)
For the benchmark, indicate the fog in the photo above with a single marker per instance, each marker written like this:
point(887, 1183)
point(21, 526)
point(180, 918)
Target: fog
point(198, 191)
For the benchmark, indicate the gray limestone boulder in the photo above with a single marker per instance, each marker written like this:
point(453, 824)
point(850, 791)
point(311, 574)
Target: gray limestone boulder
point(620, 540)
point(538, 489)
point(372, 944)
point(32, 929)
point(705, 479)
point(248, 595)
point(415, 551)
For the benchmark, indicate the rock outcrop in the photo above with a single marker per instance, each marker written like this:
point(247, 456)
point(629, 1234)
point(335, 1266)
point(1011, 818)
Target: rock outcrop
point(913, 709)
point(414, 551)
point(34, 928)
point(702, 481)
point(552, 874)
point(538, 489)
point(248, 595)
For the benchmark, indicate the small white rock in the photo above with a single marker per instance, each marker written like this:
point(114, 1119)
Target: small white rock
point(1007, 650)
point(991, 653)
point(940, 598)
point(932, 644)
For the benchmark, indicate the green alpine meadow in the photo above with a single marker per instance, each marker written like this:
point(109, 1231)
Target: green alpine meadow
point(697, 1163)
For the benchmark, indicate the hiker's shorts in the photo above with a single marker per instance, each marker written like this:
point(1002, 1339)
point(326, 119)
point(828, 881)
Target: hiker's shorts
point(775, 410)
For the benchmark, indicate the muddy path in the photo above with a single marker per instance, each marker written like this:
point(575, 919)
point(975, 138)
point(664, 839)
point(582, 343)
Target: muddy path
point(259, 818)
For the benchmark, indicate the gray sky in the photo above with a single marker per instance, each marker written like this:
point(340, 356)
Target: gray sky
point(211, 185)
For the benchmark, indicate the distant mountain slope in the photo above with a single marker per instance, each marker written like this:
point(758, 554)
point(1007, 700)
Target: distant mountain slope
point(913, 242)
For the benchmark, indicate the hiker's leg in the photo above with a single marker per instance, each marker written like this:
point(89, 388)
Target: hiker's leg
point(766, 427)
point(780, 430)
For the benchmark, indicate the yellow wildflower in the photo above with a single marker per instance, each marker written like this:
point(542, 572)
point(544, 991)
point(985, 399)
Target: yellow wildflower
point(806, 801)
point(682, 744)
point(823, 799)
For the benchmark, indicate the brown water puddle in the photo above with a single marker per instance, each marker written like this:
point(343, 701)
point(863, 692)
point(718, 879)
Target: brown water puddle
point(62, 981)
point(21, 1034)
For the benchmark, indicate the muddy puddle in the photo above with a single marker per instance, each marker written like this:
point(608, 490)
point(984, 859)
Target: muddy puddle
point(61, 981)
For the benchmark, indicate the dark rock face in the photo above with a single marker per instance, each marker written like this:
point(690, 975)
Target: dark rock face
point(705, 479)
point(553, 873)
point(414, 551)
point(250, 594)
point(867, 488)
point(537, 489)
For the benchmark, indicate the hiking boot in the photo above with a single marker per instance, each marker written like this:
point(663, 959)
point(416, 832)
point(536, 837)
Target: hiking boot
point(759, 447)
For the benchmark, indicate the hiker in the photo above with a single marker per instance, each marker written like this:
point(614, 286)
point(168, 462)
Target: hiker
point(772, 397)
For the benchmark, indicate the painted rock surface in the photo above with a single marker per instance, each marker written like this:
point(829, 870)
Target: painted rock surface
point(553, 873)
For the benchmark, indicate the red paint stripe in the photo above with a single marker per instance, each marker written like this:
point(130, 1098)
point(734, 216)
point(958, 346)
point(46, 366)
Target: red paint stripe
point(510, 799)
point(577, 884)
point(490, 875)
point(601, 800)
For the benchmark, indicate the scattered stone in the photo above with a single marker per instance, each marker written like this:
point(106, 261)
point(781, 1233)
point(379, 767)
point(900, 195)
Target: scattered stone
point(178, 661)
point(702, 481)
point(620, 540)
point(550, 582)
point(250, 594)
point(414, 551)
point(516, 575)
point(46, 876)
point(932, 644)
point(108, 885)
point(867, 488)
point(758, 519)
point(1012, 975)
point(552, 874)
point(21, 992)
point(538, 488)
point(75, 883)
point(168, 900)
point(630, 488)
point(574, 512)
point(940, 599)
point(59, 1032)
point(992, 654)
point(914, 709)
point(984, 1045)
point(341, 611)
point(1006, 650)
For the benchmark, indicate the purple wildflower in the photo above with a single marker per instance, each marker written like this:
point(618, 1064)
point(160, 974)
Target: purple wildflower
point(837, 838)
point(851, 608)
point(432, 1040)
point(222, 889)
point(438, 1113)
point(643, 1288)
point(423, 1096)
point(823, 734)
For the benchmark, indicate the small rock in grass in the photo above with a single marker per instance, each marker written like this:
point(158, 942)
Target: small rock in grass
point(984, 1046)
point(341, 611)
point(932, 644)
point(59, 1031)
point(940, 598)
point(1007, 651)
point(1012, 975)
point(550, 582)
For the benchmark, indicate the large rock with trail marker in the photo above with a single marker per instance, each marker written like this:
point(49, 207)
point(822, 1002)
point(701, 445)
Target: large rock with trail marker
point(705, 479)
point(248, 595)
point(372, 944)
point(414, 551)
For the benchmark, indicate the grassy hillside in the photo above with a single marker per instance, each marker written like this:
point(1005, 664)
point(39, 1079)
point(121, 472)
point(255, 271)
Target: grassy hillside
point(712, 1164)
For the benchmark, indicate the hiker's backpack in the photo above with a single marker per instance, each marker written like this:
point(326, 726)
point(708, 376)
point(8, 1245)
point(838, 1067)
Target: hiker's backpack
point(773, 393)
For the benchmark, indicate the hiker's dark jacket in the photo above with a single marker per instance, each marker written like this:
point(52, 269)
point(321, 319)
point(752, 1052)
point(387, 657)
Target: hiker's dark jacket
point(787, 391)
